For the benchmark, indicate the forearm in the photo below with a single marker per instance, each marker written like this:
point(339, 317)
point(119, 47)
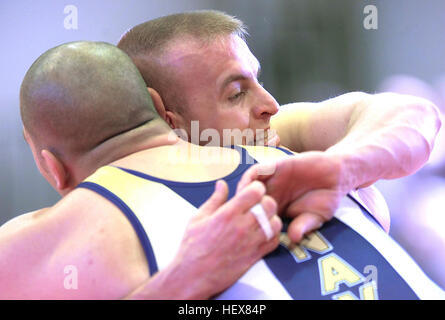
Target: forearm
point(176, 282)
point(389, 136)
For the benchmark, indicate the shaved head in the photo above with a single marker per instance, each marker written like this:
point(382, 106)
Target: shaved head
point(80, 94)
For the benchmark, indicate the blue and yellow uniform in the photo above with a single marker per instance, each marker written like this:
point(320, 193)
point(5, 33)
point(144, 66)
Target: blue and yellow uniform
point(350, 257)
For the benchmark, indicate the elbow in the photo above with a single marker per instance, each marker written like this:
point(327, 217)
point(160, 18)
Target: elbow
point(421, 114)
point(437, 117)
point(433, 118)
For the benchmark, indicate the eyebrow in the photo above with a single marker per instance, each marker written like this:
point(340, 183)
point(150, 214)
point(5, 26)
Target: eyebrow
point(240, 76)
point(232, 78)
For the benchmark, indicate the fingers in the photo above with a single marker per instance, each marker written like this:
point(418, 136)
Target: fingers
point(258, 172)
point(245, 198)
point(310, 211)
point(248, 177)
point(251, 199)
point(303, 224)
point(276, 225)
point(269, 205)
point(265, 214)
point(260, 215)
point(253, 195)
point(270, 245)
point(323, 202)
point(217, 199)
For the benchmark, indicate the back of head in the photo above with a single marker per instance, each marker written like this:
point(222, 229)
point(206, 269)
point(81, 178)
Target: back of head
point(79, 94)
point(147, 42)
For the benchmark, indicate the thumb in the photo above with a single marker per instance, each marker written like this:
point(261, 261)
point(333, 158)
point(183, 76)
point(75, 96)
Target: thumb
point(260, 171)
point(302, 225)
point(217, 199)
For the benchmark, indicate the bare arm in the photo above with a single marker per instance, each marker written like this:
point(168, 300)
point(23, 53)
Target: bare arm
point(84, 248)
point(380, 136)
point(70, 251)
point(221, 242)
point(350, 142)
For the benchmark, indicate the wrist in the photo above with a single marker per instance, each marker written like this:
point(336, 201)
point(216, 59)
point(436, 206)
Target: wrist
point(175, 282)
point(191, 281)
point(358, 168)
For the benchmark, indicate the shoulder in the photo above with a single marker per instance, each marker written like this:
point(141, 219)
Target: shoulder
point(83, 233)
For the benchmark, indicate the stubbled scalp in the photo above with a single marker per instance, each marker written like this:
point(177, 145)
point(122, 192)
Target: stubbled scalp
point(82, 93)
point(153, 35)
point(148, 43)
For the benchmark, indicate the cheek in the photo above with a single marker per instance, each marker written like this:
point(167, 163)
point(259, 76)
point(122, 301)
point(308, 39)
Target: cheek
point(234, 119)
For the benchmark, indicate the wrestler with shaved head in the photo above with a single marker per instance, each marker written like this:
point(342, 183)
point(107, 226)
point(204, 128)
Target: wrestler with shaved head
point(145, 225)
point(66, 126)
point(85, 105)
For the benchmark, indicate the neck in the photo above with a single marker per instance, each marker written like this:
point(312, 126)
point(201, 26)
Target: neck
point(154, 134)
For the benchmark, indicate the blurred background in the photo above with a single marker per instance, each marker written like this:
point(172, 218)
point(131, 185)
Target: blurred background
point(310, 50)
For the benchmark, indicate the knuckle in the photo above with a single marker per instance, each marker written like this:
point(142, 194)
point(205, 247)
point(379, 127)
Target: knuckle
point(273, 244)
point(337, 169)
point(258, 189)
point(277, 224)
point(269, 204)
point(226, 215)
point(241, 231)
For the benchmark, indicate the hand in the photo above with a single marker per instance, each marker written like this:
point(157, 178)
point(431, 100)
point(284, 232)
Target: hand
point(224, 240)
point(307, 187)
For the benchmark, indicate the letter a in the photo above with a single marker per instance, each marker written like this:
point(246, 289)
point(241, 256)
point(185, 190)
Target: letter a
point(371, 20)
point(334, 271)
point(70, 281)
point(70, 21)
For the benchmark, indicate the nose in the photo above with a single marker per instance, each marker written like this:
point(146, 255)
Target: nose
point(266, 105)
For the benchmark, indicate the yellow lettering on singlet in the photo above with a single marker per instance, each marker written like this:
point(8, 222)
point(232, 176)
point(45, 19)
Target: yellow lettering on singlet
point(314, 242)
point(334, 271)
point(368, 291)
point(348, 295)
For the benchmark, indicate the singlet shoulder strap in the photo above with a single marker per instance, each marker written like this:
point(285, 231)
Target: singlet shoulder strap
point(113, 184)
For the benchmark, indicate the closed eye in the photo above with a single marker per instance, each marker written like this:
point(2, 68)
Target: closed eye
point(237, 96)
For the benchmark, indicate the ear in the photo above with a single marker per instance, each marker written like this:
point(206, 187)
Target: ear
point(55, 170)
point(173, 119)
point(51, 168)
point(157, 101)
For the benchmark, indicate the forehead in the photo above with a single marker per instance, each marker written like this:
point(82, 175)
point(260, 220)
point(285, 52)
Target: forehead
point(228, 53)
point(222, 45)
